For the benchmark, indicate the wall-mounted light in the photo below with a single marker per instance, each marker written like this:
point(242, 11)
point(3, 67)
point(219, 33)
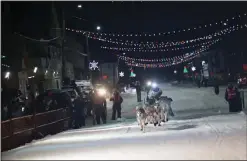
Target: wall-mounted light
point(7, 74)
point(35, 69)
point(31, 77)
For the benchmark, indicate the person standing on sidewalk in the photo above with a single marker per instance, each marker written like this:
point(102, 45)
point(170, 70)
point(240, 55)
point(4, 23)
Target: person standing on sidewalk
point(232, 96)
point(98, 108)
point(216, 86)
point(138, 91)
point(116, 107)
point(79, 105)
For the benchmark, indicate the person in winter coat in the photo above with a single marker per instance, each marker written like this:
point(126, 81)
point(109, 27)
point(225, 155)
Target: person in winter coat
point(99, 107)
point(79, 105)
point(216, 86)
point(138, 91)
point(232, 96)
point(117, 101)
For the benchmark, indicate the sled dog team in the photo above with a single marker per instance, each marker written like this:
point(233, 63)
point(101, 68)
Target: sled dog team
point(155, 113)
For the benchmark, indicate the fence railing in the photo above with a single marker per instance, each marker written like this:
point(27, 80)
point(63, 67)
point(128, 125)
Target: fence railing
point(21, 130)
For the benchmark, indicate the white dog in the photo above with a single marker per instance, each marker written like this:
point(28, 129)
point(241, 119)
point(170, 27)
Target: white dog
point(161, 114)
point(141, 117)
point(155, 114)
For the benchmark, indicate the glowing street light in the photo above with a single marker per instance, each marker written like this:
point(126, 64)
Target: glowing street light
point(35, 69)
point(79, 6)
point(98, 28)
point(7, 75)
point(175, 72)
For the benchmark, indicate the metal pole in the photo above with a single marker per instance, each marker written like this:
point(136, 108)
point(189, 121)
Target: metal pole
point(89, 59)
point(63, 54)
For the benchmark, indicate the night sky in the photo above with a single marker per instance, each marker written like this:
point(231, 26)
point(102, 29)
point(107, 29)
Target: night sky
point(33, 19)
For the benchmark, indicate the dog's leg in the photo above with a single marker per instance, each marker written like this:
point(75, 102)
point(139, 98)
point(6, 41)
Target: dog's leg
point(143, 125)
point(155, 119)
point(166, 116)
point(160, 119)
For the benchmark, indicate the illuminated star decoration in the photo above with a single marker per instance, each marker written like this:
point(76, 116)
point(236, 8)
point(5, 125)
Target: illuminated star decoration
point(93, 65)
point(121, 74)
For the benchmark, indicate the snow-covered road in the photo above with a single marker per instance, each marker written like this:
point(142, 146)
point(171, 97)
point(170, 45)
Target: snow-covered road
point(202, 129)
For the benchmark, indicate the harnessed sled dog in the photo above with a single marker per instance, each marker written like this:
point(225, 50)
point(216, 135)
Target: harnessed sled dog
point(155, 113)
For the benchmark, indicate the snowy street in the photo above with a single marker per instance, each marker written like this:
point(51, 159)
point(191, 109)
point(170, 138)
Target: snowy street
point(201, 129)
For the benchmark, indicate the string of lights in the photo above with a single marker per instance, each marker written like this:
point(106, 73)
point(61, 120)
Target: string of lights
point(126, 58)
point(163, 64)
point(41, 40)
point(191, 29)
point(5, 65)
point(138, 49)
point(162, 44)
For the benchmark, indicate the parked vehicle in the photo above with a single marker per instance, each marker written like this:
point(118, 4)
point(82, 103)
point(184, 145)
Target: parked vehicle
point(53, 99)
point(71, 91)
point(84, 85)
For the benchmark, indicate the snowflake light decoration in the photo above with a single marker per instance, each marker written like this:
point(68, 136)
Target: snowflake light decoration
point(93, 65)
point(121, 74)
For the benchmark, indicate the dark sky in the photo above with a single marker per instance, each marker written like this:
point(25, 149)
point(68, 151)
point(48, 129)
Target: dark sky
point(33, 18)
point(126, 16)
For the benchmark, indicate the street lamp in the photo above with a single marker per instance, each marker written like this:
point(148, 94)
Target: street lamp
point(79, 6)
point(35, 69)
point(175, 72)
point(7, 75)
point(98, 28)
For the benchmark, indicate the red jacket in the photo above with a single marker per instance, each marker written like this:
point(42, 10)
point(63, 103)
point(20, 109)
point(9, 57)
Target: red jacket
point(231, 93)
point(116, 99)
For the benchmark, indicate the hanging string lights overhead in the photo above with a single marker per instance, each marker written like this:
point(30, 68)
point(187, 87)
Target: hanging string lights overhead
point(175, 61)
point(162, 44)
point(141, 49)
point(166, 60)
point(224, 22)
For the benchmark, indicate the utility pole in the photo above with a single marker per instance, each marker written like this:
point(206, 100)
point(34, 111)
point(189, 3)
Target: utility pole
point(62, 45)
point(89, 59)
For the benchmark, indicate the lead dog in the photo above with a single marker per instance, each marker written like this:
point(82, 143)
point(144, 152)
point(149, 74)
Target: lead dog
point(155, 114)
point(141, 117)
point(165, 103)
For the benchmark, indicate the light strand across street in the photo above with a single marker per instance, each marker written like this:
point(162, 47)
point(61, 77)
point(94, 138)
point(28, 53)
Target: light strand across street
point(166, 62)
point(163, 44)
point(139, 49)
point(126, 58)
point(173, 32)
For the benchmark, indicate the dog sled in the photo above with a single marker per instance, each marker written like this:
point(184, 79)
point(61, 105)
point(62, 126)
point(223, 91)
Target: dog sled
point(154, 113)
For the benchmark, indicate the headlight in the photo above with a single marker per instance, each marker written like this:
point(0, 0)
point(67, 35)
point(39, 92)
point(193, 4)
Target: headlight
point(149, 83)
point(154, 85)
point(101, 92)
